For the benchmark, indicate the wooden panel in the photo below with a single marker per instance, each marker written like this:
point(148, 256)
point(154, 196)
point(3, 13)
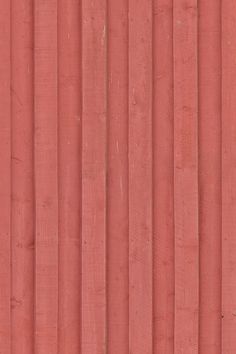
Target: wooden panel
point(117, 198)
point(23, 211)
point(140, 177)
point(94, 176)
point(186, 176)
point(163, 172)
point(69, 175)
point(228, 177)
point(46, 177)
point(210, 176)
point(5, 185)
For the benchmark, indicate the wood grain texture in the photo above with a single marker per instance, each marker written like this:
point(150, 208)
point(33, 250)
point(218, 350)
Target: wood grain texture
point(140, 178)
point(210, 176)
point(5, 185)
point(186, 176)
point(228, 177)
point(69, 175)
point(94, 176)
point(117, 188)
point(22, 184)
point(163, 184)
point(46, 176)
point(117, 197)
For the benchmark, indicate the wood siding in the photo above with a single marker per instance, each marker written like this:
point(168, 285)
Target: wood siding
point(117, 177)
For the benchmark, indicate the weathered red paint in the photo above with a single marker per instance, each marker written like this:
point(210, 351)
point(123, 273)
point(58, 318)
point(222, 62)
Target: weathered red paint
point(117, 161)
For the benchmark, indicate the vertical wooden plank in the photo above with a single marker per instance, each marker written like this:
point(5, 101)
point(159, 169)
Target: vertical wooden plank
point(117, 209)
point(94, 133)
point(5, 185)
point(228, 177)
point(46, 186)
point(210, 175)
point(22, 293)
point(163, 194)
point(186, 176)
point(140, 176)
point(69, 169)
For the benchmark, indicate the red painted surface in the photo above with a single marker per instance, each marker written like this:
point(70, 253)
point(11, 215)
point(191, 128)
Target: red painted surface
point(118, 170)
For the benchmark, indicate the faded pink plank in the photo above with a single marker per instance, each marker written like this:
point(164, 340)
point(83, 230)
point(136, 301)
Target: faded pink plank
point(5, 185)
point(46, 184)
point(140, 177)
point(163, 194)
point(186, 176)
point(94, 131)
point(117, 209)
point(228, 177)
point(210, 175)
point(69, 169)
point(22, 282)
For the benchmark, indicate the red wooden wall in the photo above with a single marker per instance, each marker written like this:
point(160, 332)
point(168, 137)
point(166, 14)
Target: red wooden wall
point(118, 177)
